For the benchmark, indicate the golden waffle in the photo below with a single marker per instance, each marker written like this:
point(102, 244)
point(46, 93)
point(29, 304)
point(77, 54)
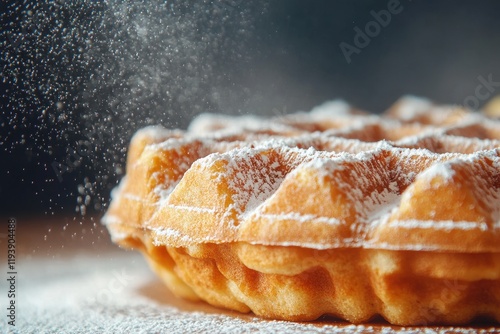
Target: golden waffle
point(332, 212)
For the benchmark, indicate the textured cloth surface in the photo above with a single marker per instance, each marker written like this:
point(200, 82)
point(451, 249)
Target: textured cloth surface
point(115, 292)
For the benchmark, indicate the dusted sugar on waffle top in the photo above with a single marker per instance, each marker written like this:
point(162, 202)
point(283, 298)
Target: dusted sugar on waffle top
point(331, 212)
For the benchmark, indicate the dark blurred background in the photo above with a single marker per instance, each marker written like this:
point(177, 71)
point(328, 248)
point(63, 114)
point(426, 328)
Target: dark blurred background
point(80, 77)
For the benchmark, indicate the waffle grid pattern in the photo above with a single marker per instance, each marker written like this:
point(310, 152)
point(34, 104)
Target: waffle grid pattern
point(331, 212)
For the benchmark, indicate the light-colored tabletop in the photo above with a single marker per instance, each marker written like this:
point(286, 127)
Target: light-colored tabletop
point(71, 279)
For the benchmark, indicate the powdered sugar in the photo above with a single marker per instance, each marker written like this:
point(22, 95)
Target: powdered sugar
point(251, 157)
point(331, 109)
point(445, 225)
point(442, 170)
point(411, 106)
point(169, 234)
point(155, 132)
point(300, 218)
point(239, 167)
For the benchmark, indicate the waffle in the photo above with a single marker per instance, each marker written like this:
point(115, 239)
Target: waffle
point(333, 212)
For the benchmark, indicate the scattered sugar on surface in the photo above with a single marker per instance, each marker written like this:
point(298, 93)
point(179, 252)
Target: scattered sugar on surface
point(117, 293)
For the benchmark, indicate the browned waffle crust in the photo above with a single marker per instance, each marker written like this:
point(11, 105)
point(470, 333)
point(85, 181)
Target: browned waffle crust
point(332, 212)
